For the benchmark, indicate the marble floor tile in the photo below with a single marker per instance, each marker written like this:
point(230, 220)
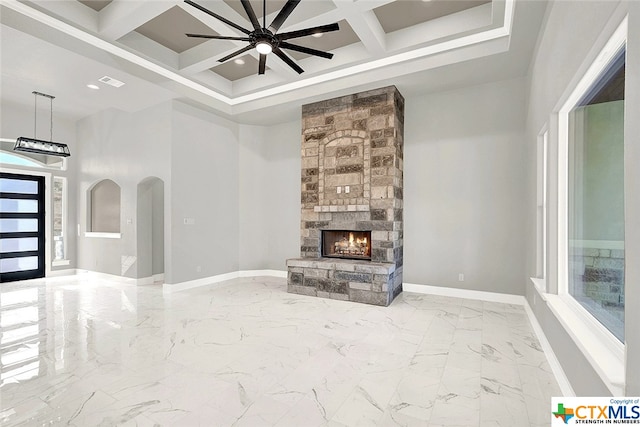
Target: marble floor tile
point(82, 351)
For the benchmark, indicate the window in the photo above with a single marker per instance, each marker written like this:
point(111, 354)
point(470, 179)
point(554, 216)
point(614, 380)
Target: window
point(104, 202)
point(13, 159)
point(59, 195)
point(596, 198)
point(591, 225)
point(541, 206)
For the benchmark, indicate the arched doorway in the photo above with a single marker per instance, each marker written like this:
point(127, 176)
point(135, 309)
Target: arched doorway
point(150, 229)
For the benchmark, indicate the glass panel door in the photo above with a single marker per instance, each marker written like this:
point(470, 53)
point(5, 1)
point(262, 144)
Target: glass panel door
point(21, 227)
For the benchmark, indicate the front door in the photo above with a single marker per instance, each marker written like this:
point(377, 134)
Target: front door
point(21, 227)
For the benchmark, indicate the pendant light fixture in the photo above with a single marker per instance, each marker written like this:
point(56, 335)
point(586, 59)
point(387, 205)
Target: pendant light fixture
point(39, 146)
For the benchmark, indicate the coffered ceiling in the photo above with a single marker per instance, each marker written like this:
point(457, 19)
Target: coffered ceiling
point(378, 40)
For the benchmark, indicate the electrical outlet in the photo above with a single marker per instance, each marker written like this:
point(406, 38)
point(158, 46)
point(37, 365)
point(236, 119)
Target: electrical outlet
point(338, 190)
point(346, 189)
point(461, 277)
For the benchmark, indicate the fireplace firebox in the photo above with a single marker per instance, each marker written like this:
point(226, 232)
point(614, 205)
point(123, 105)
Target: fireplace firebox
point(346, 244)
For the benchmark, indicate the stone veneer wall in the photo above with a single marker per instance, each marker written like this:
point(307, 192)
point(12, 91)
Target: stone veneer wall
point(599, 275)
point(352, 163)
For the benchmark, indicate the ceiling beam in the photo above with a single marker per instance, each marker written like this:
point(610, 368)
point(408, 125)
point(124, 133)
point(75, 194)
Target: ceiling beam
point(120, 17)
point(365, 24)
point(73, 11)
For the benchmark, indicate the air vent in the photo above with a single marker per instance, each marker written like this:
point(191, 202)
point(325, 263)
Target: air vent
point(111, 81)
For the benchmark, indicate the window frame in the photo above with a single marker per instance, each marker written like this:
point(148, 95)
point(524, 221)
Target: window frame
point(542, 146)
point(603, 350)
point(65, 212)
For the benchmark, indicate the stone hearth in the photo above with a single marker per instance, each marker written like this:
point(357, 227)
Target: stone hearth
point(352, 165)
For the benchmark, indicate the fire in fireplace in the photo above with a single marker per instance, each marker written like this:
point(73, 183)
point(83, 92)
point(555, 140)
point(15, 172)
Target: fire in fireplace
point(346, 244)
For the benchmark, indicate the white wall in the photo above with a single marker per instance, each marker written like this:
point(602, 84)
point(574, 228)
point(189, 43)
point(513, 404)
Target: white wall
point(464, 188)
point(562, 56)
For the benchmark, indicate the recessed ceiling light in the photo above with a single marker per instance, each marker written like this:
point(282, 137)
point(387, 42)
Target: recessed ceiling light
point(94, 87)
point(239, 61)
point(317, 35)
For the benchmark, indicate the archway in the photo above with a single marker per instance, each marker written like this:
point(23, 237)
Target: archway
point(150, 229)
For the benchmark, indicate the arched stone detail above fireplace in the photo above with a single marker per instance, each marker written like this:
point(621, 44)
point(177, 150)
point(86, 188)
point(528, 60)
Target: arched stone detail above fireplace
point(344, 169)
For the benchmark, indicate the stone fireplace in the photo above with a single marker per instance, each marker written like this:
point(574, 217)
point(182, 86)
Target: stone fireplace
point(352, 190)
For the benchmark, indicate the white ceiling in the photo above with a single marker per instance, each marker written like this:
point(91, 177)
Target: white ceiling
point(58, 47)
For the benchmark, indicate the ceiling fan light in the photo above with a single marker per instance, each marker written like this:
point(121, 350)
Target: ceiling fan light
point(264, 48)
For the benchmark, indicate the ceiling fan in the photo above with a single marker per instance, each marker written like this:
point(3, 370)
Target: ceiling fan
point(266, 39)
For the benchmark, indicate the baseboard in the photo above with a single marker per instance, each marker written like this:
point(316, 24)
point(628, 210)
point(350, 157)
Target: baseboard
point(258, 273)
point(145, 281)
point(464, 293)
point(556, 368)
point(107, 276)
point(62, 273)
point(212, 280)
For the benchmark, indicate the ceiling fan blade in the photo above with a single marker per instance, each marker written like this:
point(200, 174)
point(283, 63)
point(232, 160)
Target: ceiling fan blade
point(309, 31)
point(236, 53)
point(215, 15)
point(263, 63)
point(307, 50)
point(205, 36)
point(288, 60)
point(283, 15)
point(251, 14)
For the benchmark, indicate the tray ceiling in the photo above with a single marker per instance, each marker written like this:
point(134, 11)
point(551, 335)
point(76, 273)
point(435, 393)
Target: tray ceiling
point(378, 39)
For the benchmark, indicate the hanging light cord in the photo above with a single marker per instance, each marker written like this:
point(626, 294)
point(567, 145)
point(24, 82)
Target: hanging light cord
point(35, 113)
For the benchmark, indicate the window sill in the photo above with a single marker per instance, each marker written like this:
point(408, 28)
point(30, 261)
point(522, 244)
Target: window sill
point(103, 235)
point(541, 286)
point(60, 262)
point(602, 350)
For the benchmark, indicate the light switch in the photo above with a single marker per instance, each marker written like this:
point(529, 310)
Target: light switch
point(189, 221)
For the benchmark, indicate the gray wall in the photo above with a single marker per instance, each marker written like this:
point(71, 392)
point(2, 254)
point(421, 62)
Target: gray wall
point(195, 154)
point(464, 190)
point(126, 148)
point(561, 54)
point(632, 201)
point(269, 196)
point(204, 187)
